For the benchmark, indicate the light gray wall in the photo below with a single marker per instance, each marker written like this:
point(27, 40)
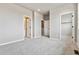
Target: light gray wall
point(11, 22)
point(37, 25)
point(55, 18)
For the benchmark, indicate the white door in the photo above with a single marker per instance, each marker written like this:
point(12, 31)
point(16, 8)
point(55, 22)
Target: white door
point(66, 26)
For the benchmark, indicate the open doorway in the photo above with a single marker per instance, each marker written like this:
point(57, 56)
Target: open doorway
point(27, 26)
point(42, 27)
point(45, 28)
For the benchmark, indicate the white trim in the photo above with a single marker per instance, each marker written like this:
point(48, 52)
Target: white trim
point(66, 13)
point(11, 42)
point(50, 24)
point(60, 19)
point(60, 27)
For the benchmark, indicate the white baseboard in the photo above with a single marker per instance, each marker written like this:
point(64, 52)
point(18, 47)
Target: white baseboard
point(11, 42)
point(21, 40)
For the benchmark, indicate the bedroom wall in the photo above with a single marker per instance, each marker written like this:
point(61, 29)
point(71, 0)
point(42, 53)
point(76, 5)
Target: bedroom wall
point(11, 22)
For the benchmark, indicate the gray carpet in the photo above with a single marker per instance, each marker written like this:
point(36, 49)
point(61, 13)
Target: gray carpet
point(42, 46)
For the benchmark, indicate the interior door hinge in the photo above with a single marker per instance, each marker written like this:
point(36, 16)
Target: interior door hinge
point(72, 15)
point(72, 37)
point(72, 26)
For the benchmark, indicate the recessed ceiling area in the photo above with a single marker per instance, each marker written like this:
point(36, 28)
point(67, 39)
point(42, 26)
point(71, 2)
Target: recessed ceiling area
point(41, 7)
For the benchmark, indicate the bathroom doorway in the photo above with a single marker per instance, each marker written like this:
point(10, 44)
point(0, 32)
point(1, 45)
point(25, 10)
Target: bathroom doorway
point(27, 26)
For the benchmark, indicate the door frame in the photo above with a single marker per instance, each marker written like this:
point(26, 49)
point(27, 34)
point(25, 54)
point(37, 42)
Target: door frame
point(73, 22)
point(42, 29)
point(24, 26)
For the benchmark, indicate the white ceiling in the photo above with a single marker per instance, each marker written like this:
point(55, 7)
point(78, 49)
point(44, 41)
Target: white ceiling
point(44, 7)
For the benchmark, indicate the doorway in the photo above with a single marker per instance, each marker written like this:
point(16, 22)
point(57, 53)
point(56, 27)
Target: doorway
point(27, 26)
point(45, 28)
point(42, 27)
point(45, 25)
point(66, 27)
